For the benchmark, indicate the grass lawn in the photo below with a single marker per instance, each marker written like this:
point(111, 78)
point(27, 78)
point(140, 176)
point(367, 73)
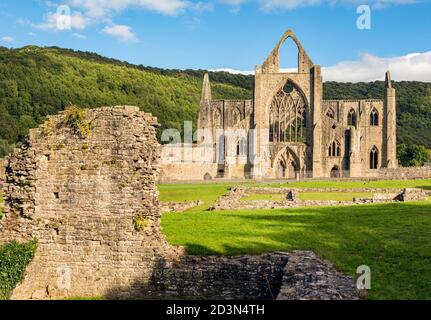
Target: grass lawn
point(208, 193)
point(393, 239)
point(395, 184)
point(336, 196)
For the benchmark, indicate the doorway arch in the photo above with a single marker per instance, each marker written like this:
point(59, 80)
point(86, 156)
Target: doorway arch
point(335, 172)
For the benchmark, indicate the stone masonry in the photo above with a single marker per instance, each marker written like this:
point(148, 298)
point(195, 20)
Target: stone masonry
point(90, 201)
point(235, 199)
point(288, 131)
point(83, 185)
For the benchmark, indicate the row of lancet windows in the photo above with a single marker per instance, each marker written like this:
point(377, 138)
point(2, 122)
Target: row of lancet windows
point(335, 151)
point(352, 118)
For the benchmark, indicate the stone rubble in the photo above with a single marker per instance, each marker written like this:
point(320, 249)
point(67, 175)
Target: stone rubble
point(235, 199)
point(179, 206)
point(307, 277)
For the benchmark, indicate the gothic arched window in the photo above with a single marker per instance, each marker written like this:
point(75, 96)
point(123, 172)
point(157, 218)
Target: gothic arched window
point(218, 120)
point(236, 116)
point(330, 113)
point(374, 117)
point(374, 158)
point(287, 116)
point(334, 149)
point(351, 118)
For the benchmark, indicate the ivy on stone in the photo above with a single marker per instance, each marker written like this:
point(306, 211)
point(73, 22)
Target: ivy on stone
point(14, 259)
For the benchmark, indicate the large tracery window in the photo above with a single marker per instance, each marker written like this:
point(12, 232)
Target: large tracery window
point(287, 117)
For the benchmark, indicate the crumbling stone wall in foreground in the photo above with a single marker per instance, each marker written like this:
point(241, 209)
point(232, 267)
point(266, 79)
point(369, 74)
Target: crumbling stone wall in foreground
point(84, 186)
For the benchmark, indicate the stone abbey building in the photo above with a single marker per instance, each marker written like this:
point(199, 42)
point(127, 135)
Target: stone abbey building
point(287, 131)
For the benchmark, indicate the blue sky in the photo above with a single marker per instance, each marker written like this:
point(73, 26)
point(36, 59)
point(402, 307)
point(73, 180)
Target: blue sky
point(234, 34)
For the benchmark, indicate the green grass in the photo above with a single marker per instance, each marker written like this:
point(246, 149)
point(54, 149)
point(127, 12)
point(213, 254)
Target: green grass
point(272, 197)
point(207, 193)
point(390, 184)
point(335, 196)
point(393, 239)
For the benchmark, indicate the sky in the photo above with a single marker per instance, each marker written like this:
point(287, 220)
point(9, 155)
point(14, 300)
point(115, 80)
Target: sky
point(234, 35)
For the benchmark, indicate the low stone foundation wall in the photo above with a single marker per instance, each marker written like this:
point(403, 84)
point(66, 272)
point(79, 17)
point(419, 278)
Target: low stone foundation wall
point(179, 206)
point(247, 277)
point(299, 275)
point(234, 199)
point(405, 173)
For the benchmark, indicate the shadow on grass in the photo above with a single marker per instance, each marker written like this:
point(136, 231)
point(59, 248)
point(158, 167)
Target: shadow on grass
point(393, 239)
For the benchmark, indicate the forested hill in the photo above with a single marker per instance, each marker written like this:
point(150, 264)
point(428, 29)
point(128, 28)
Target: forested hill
point(35, 82)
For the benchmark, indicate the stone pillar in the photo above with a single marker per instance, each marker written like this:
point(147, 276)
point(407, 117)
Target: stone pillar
point(206, 88)
point(355, 155)
point(389, 155)
point(316, 104)
point(259, 139)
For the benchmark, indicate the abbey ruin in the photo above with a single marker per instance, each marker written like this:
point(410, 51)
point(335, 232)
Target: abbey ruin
point(83, 185)
point(288, 131)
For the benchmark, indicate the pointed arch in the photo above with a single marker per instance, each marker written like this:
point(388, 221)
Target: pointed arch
point(272, 63)
point(374, 117)
point(351, 118)
point(217, 118)
point(330, 113)
point(236, 116)
point(374, 158)
point(289, 56)
point(286, 167)
point(288, 114)
point(334, 149)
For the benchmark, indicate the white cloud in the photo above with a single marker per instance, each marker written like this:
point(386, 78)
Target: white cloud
point(79, 36)
point(122, 32)
point(54, 21)
point(269, 5)
point(411, 67)
point(233, 71)
point(8, 39)
point(103, 8)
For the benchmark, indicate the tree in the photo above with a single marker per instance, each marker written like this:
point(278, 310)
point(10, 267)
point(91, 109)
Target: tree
point(412, 155)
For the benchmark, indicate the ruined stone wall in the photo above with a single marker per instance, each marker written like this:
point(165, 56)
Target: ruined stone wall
point(235, 199)
point(188, 172)
point(84, 186)
point(2, 169)
point(405, 173)
point(246, 277)
point(283, 276)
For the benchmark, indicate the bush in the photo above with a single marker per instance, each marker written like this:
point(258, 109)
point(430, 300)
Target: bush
point(14, 259)
point(412, 155)
point(140, 222)
point(76, 119)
